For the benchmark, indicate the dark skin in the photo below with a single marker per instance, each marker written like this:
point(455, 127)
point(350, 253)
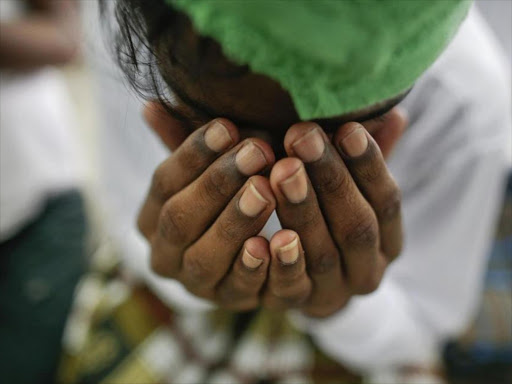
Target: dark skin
point(335, 198)
point(252, 101)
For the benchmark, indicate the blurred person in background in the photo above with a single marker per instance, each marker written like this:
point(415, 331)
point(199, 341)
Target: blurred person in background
point(450, 163)
point(42, 219)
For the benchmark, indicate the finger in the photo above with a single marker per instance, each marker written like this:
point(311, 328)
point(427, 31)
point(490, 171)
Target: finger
point(169, 129)
point(288, 283)
point(207, 261)
point(196, 154)
point(387, 129)
point(298, 210)
point(350, 218)
point(369, 171)
point(187, 215)
point(189, 161)
point(240, 289)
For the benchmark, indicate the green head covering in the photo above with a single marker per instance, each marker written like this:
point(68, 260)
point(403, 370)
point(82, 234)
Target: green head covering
point(333, 56)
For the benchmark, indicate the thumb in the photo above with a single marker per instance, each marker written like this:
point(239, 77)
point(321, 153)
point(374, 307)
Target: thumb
point(170, 130)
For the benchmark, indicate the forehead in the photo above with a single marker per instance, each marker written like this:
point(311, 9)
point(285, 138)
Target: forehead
point(201, 76)
point(209, 85)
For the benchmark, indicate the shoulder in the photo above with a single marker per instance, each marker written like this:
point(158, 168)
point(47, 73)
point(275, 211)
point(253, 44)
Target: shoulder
point(461, 107)
point(473, 67)
point(472, 74)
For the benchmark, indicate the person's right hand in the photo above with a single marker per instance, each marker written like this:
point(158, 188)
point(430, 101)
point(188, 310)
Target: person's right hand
point(205, 206)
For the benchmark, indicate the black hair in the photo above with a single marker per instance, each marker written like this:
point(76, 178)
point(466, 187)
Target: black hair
point(131, 38)
point(142, 26)
point(149, 33)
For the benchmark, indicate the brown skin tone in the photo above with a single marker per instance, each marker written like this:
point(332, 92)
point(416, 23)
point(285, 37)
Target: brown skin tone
point(202, 214)
point(48, 35)
point(198, 233)
point(252, 101)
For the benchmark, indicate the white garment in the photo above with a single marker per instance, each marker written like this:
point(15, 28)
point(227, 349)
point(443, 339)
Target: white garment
point(450, 165)
point(38, 150)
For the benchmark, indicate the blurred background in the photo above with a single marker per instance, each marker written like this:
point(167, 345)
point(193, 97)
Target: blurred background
point(94, 118)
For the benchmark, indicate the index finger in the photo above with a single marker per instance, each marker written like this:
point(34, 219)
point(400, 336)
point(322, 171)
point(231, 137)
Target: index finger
point(373, 178)
point(185, 165)
point(350, 217)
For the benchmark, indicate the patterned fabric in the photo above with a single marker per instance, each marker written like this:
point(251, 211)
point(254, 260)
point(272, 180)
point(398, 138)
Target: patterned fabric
point(122, 333)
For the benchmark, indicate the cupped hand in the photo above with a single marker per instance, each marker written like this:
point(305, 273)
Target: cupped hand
point(336, 199)
point(341, 210)
point(205, 206)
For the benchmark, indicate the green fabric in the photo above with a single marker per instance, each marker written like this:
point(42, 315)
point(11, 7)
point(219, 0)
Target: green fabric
point(332, 56)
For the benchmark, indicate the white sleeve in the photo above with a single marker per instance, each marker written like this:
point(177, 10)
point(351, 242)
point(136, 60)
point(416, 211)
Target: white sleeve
point(451, 166)
point(433, 287)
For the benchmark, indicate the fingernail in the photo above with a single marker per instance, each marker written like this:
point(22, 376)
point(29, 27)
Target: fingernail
point(250, 159)
point(252, 203)
point(250, 261)
point(217, 137)
point(355, 143)
point(295, 187)
point(310, 147)
point(289, 254)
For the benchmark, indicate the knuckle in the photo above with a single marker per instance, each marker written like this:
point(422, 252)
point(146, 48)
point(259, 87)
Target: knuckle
point(332, 183)
point(217, 185)
point(367, 283)
point(229, 229)
point(309, 218)
point(192, 159)
point(293, 296)
point(364, 232)
point(370, 166)
point(323, 262)
point(225, 294)
point(172, 223)
point(196, 272)
point(371, 173)
point(391, 206)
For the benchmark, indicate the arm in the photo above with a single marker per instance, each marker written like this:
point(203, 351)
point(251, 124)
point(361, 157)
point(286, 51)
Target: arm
point(47, 36)
point(432, 289)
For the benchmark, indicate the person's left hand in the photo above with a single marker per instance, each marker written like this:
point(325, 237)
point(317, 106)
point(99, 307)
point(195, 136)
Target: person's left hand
point(341, 210)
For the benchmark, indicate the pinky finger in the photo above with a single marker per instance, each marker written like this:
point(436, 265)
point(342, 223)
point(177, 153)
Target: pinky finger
point(289, 285)
point(240, 289)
